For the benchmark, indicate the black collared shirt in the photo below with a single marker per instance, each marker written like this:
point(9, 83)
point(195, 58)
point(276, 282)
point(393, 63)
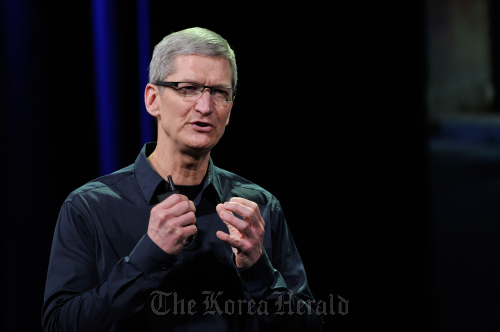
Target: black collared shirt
point(106, 274)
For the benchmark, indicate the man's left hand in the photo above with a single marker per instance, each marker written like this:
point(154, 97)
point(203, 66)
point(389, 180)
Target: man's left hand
point(245, 236)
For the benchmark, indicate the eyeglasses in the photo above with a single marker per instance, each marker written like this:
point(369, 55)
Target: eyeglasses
point(193, 91)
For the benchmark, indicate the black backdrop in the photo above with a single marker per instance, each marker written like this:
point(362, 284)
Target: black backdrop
point(329, 117)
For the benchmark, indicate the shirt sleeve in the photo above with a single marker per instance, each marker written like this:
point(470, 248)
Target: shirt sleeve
point(75, 299)
point(280, 282)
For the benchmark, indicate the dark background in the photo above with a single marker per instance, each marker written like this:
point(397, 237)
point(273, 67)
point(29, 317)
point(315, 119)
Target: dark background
point(330, 117)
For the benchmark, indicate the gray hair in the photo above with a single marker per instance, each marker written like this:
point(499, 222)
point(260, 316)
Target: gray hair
point(192, 41)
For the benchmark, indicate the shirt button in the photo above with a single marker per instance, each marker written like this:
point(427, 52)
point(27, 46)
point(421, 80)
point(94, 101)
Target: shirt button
point(163, 266)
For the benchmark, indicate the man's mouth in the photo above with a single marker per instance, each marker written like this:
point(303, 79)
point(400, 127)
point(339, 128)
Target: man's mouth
point(202, 126)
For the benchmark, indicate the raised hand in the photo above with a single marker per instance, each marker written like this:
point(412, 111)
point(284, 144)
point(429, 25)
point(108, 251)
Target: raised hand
point(171, 222)
point(245, 236)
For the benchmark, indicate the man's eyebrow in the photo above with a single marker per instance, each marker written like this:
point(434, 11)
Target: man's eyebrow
point(222, 85)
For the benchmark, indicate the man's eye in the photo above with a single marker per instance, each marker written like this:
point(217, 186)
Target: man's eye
point(188, 89)
point(221, 93)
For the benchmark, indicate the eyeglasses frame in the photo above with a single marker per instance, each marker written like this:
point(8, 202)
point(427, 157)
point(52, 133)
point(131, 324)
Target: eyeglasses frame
point(176, 84)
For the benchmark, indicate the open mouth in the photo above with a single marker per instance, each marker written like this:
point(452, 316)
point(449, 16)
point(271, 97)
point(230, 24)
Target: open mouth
point(202, 124)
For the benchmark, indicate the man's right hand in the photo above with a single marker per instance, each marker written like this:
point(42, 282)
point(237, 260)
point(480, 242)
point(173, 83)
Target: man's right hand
point(171, 222)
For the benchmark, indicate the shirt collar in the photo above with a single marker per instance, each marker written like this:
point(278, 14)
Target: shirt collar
point(145, 173)
point(213, 179)
point(149, 179)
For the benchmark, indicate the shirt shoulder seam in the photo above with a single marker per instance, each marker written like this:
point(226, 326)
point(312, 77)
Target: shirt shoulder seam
point(96, 184)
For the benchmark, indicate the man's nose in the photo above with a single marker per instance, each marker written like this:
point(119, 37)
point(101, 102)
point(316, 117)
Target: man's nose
point(205, 104)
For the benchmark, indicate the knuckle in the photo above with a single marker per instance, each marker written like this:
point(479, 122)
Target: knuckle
point(163, 215)
point(154, 210)
point(185, 205)
point(175, 199)
point(247, 213)
point(245, 227)
point(177, 233)
point(178, 197)
point(245, 247)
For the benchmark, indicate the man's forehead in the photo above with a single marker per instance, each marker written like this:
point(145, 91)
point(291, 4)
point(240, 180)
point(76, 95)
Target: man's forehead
point(197, 58)
point(192, 64)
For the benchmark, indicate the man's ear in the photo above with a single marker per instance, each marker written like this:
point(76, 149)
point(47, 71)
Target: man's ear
point(151, 96)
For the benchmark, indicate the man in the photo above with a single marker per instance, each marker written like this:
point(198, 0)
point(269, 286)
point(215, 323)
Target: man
point(130, 253)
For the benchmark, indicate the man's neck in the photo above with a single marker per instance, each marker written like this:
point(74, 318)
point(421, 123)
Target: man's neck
point(184, 168)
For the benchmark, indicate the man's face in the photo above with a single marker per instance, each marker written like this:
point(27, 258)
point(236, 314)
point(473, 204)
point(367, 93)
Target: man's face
point(194, 125)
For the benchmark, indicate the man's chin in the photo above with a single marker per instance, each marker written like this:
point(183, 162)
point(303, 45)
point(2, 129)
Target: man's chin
point(203, 144)
point(198, 150)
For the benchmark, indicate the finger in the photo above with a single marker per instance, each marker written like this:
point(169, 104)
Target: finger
point(183, 207)
point(245, 202)
point(232, 230)
point(231, 240)
point(172, 200)
point(190, 230)
point(219, 207)
point(184, 220)
point(227, 216)
point(179, 208)
point(174, 224)
point(247, 209)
